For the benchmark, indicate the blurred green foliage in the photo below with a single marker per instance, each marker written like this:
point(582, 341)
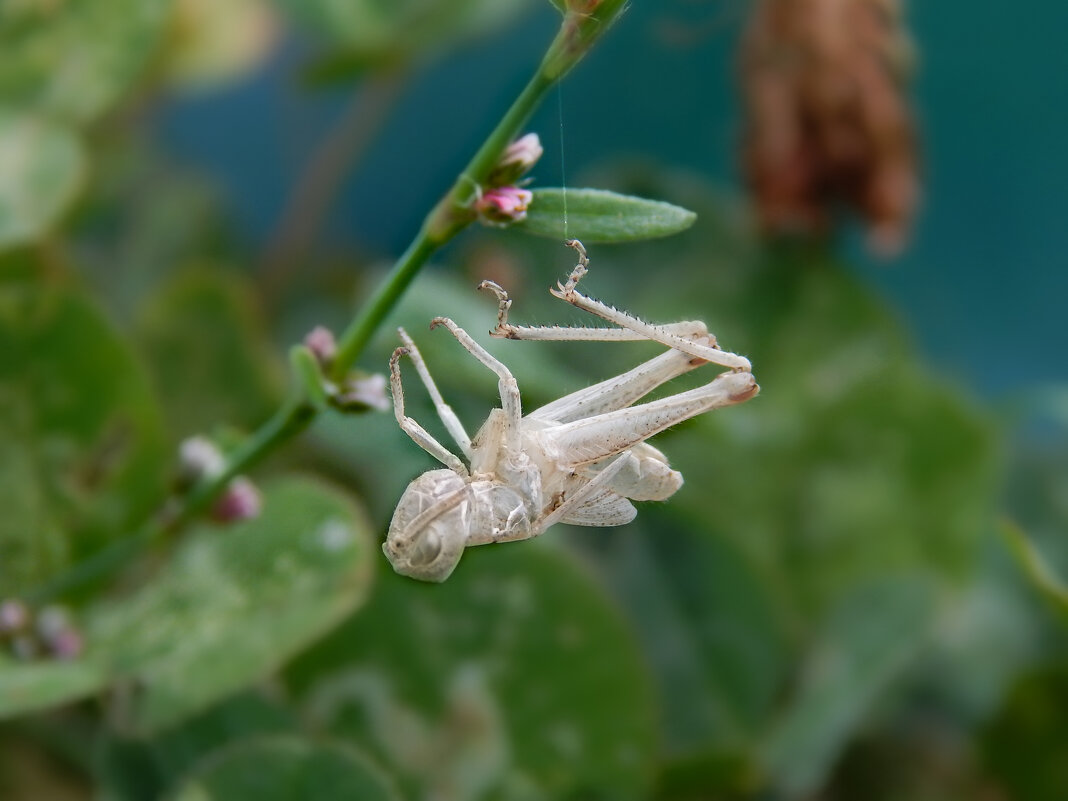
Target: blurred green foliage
point(826, 609)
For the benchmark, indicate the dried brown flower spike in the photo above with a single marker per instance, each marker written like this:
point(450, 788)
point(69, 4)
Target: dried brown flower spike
point(828, 125)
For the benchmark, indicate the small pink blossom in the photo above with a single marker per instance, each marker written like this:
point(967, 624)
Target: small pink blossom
point(240, 501)
point(366, 391)
point(516, 160)
point(67, 644)
point(14, 616)
point(320, 341)
point(503, 205)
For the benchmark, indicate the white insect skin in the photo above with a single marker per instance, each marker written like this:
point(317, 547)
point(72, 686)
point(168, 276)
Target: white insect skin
point(580, 459)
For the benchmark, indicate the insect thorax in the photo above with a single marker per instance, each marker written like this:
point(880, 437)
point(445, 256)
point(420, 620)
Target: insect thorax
point(498, 512)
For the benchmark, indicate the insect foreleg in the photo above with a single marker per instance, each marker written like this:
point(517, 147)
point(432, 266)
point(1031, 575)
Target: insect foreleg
point(445, 412)
point(657, 333)
point(419, 435)
point(509, 389)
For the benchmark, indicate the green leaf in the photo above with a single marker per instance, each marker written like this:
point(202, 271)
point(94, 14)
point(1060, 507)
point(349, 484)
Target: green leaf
point(135, 768)
point(866, 642)
point(1022, 747)
point(44, 166)
point(81, 453)
point(714, 632)
point(722, 775)
point(209, 352)
point(853, 461)
point(31, 686)
point(516, 678)
point(74, 60)
point(596, 215)
point(233, 604)
point(287, 768)
point(854, 464)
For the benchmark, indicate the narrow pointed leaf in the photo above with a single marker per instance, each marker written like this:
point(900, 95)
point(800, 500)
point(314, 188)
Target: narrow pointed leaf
point(31, 686)
point(597, 215)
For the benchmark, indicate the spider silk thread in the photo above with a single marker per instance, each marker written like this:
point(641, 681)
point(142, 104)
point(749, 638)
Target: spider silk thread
point(563, 171)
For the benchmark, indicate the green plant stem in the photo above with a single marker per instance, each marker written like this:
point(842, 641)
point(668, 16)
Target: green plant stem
point(450, 216)
point(287, 422)
point(362, 328)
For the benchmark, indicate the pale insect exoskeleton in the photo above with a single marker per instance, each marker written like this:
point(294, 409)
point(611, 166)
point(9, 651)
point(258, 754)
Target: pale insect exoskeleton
point(581, 459)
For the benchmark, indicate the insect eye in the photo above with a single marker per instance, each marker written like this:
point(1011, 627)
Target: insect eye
point(426, 549)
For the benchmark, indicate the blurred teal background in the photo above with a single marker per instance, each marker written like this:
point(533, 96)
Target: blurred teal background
point(983, 283)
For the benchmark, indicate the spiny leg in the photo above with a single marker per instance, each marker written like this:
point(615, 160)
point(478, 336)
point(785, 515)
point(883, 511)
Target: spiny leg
point(445, 412)
point(506, 383)
point(690, 329)
point(631, 329)
point(419, 435)
point(657, 333)
point(613, 393)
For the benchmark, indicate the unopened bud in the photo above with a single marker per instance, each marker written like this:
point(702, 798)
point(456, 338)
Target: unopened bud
point(365, 392)
point(14, 616)
point(320, 341)
point(198, 459)
point(503, 205)
point(240, 501)
point(516, 160)
point(67, 644)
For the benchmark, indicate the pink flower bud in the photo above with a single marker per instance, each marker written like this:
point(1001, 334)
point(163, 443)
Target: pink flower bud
point(503, 205)
point(14, 616)
point(67, 644)
point(240, 501)
point(516, 160)
point(320, 341)
point(365, 392)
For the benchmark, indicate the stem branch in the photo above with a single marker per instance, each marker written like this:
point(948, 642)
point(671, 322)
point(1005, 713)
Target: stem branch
point(451, 215)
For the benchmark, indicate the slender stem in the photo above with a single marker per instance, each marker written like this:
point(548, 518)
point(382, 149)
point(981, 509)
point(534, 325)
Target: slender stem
point(362, 328)
point(447, 219)
point(507, 129)
point(451, 215)
point(289, 420)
